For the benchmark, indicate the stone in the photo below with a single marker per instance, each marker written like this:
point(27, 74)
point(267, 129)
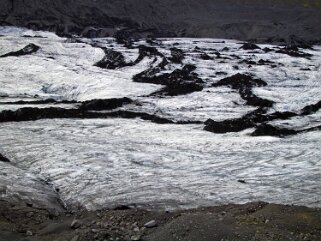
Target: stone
point(75, 238)
point(75, 224)
point(135, 237)
point(30, 214)
point(150, 224)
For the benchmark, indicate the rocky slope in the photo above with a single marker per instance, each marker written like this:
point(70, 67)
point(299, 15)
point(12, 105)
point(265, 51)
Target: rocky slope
point(273, 20)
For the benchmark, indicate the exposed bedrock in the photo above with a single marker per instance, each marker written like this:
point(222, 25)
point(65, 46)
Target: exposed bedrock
point(310, 109)
point(112, 60)
point(29, 49)
point(177, 55)
point(3, 158)
point(272, 20)
point(178, 82)
point(244, 84)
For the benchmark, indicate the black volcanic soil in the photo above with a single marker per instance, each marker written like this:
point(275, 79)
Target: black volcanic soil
point(262, 21)
point(252, 221)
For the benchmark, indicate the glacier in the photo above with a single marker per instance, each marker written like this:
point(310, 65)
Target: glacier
point(99, 163)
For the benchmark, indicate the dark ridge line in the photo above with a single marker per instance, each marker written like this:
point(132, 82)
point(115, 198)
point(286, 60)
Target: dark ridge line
point(247, 121)
point(33, 114)
point(270, 130)
point(244, 85)
point(310, 109)
point(105, 104)
point(258, 119)
point(36, 36)
point(249, 46)
point(114, 59)
point(39, 102)
point(95, 104)
point(148, 51)
point(261, 62)
point(29, 49)
point(254, 100)
point(150, 117)
point(293, 51)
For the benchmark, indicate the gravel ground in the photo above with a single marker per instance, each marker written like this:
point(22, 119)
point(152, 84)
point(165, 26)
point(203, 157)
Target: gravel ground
point(252, 221)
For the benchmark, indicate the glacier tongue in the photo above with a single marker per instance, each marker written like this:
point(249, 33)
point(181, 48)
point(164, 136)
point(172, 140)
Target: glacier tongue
point(95, 163)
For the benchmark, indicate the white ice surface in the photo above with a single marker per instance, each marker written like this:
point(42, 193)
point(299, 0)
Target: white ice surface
point(18, 185)
point(64, 70)
point(103, 163)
